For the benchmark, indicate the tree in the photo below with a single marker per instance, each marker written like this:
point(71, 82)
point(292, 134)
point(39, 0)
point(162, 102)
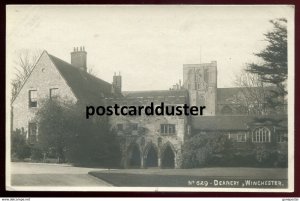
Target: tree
point(53, 133)
point(273, 66)
point(24, 64)
point(251, 96)
point(65, 133)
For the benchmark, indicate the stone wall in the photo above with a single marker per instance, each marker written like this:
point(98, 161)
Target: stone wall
point(148, 134)
point(43, 77)
point(201, 82)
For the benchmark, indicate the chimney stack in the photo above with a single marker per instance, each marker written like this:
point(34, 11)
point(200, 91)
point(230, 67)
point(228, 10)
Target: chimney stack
point(78, 58)
point(117, 83)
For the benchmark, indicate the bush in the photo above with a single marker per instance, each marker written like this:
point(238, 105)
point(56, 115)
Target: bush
point(267, 156)
point(37, 153)
point(217, 150)
point(282, 160)
point(19, 147)
point(204, 150)
point(66, 134)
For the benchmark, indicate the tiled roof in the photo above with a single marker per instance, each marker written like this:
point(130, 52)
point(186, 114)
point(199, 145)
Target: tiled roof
point(214, 123)
point(86, 87)
point(156, 93)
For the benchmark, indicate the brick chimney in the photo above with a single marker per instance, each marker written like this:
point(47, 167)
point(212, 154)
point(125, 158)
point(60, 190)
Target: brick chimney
point(117, 83)
point(78, 58)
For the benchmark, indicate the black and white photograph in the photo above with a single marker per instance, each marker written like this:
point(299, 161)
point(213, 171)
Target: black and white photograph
point(167, 98)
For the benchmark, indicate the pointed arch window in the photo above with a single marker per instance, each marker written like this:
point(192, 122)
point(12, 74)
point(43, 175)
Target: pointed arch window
point(261, 135)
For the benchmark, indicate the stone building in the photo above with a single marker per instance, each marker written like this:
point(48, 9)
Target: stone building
point(53, 78)
point(152, 141)
point(146, 141)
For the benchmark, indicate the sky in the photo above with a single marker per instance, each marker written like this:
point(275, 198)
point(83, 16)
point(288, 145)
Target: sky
point(148, 45)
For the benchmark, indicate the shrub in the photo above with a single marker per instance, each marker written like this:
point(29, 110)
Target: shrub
point(204, 150)
point(66, 134)
point(282, 159)
point(37, 153)
point(19, 147)
point(216, 150)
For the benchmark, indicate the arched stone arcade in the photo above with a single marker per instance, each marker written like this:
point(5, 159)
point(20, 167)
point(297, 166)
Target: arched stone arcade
point(134, 156)
point(150, 155)
point(168, 158)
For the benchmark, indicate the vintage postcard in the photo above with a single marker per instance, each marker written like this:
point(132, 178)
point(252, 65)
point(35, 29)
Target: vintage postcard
point(150, 98)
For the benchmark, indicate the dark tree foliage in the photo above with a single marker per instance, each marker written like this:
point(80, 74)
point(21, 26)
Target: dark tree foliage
point(64, 132)
point(52, 128)
point(19, 147)
point(199, 149)
point(216, 150)
point(273, 68)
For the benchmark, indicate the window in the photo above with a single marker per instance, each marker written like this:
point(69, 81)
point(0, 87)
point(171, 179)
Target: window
point(32, 98)
point(241, 137)
point(120, 127)
point(198, 78)
point(206, 74)
point(167, 128)
point(32, 132)
point(281, 137)
point(261, 135)
point(53, 93)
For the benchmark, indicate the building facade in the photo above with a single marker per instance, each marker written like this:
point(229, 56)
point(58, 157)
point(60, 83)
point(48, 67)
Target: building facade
point(146, 141)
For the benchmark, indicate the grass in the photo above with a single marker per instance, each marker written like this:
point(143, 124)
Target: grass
point(185, 178)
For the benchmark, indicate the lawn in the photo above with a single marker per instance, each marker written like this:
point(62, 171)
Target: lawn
point(202, 177)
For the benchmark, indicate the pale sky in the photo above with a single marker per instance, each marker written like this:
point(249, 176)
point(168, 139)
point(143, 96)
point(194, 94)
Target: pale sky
point(147, 44)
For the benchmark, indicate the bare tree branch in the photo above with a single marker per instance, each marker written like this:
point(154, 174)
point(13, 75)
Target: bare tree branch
point(251, 96)
point(24, 64)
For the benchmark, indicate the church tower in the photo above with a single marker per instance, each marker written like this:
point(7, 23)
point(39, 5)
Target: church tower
point(201, 82)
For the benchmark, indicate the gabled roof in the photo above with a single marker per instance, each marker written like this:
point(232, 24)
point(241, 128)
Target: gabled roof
point(231, 123)
point(155, 93)
point(85, 86)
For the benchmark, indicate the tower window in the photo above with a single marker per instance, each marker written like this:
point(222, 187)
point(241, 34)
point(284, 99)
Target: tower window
point(32, 98)
point(206, 75)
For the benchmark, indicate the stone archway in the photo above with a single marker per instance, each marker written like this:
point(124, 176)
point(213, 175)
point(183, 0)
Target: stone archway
point(134, 156)
point(168, 157)
point(151, 156)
